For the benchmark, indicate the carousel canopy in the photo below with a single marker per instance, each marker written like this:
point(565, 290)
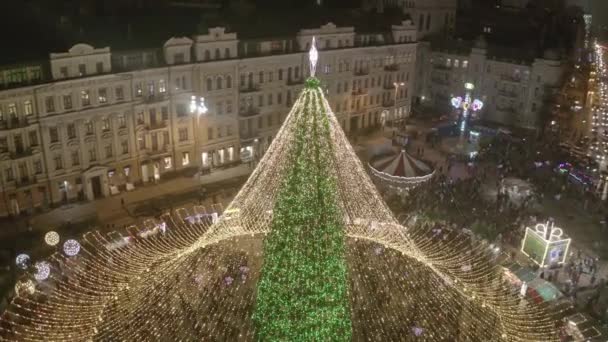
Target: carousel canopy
point(403, 165)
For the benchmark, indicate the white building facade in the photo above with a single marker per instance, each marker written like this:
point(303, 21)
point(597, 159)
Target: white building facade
point(107, 122)
point(513, 91)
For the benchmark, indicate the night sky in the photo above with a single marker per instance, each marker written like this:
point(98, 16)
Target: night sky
point(599, 10)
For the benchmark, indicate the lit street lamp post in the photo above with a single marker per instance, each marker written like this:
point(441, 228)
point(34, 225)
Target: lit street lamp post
point(397, 85)
point(198, 107)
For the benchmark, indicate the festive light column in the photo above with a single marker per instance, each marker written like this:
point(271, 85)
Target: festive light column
point(302, 294)
point(467, 105)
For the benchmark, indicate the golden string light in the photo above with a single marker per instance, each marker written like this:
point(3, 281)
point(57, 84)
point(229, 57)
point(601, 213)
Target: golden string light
point(197, 280)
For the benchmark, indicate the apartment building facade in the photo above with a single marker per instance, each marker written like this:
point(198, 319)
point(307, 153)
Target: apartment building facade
point(105, 122)
point(514, 89)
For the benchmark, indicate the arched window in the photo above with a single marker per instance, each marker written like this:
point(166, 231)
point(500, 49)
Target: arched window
point(289, 73)
point(339, 88)
point(219, 82)
point(228, 81)
point(297, 72)
point(217, 54)
point(209, 84)
point(207, 55)
point(227, 53)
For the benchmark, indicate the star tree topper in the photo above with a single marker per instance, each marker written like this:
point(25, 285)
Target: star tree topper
point(313, 57)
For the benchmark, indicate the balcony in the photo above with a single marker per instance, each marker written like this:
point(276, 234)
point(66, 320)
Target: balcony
point(509, 94)
point(249, 88)
point(156, 125)
point(25, 181)
point(249, 111)
point(154, 98)
point(297, 81)
point(510, 78)
point(388, 104)
point(508, 110)
point(361, 72)
point(21, 153)
point(440, 81)
point(248, 135)
point(441, 67)
point(391, 67)
point(160, 150)
point(14, 123)
point(359, 92)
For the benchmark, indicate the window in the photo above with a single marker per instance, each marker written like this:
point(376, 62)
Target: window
point(183, 134)
point(217, 54)
point(125, 146)
point(297, 73)
point(327, 68)
point(53, 134)
point(220, 108)
point(103, 95)
point(38, 167)
point(140, 118)
point(151, 89)
point(139, 89)
point(82, 69)
point(226, 53)
point(209, 84)
point(27, 108)
point(119, 92)
point(164, 112)
point(33, 137)
point(179, 58)
point(261, 77)
point(3, 144)
point(108, 151)
point(228, 81)
point(260, 100)
point(50, 104)
point(141, 142)
point(207, 55)
point(270, 99)
point(162, 88)
point(122, 122)
point(166, 138)
point(229, 130)
point(465, 64)
point(185, 158)
point(280, 74)
point(448, 62)
point(220, 132)
point(89, 127)
point(219, 82)
point(92, 155)
point(8, 173)
point(58, 162)
point(63, 71)
point(71, 131)
point(67, 102)
point(456, 63)
point(181, 110)
point(428, 21)
point(260, 123)
point(167, 162)
point(229, 106)
point(209, 133)
point(105, 124)
point(75, 158)
point(269, 119)
point(279, 98)
point(99, 67)
point(85, 98)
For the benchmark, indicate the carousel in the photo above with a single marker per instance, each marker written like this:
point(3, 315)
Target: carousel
point(400, 173)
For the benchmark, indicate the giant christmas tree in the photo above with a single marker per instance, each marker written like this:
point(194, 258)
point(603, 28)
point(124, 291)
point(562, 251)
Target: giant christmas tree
point(302, 293)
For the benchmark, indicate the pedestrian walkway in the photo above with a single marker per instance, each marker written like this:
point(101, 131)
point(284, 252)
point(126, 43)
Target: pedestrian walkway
point(111, 209)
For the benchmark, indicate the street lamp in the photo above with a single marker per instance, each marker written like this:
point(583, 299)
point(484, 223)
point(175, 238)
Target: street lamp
point(198, 107)
point(397, 85)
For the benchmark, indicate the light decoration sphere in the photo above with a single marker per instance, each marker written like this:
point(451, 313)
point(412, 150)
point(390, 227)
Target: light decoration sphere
point(71, 247)
point(22, 261)
point(43, 270)
point(25, 287)
point(51, 238)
